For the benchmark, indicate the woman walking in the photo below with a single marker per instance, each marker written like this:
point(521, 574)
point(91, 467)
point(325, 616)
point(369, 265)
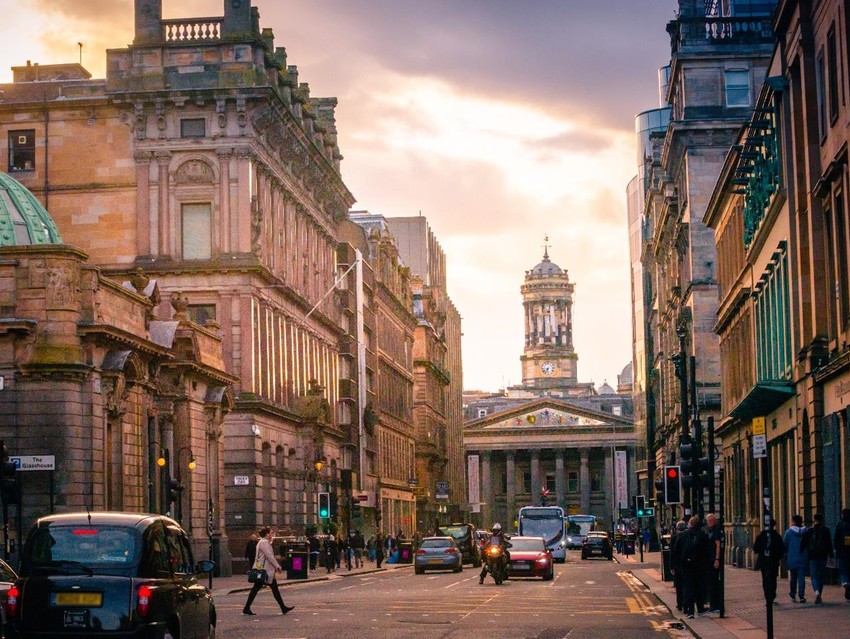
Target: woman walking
point(379, 549)
point(265, 561)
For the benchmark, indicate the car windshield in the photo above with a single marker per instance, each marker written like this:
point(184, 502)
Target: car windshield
point(81, 550)
point(526, 545)
point(458, 532)
point(436, 543)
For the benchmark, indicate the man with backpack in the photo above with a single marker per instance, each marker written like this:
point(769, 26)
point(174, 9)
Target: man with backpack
point(770, 548)
point(689, 558)
point(817, 542)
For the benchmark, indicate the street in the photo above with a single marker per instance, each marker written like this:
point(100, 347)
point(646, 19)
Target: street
point(586, 599)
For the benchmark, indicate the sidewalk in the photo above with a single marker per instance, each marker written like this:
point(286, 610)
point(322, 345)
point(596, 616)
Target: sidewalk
point(745, 614)
point(239, 583)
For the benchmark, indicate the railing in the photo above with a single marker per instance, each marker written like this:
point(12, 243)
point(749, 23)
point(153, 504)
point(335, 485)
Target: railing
point(192, 30)
point(725, 30)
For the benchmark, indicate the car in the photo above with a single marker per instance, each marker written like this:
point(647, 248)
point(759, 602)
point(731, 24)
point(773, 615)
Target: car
point(8, 577)
point(466, 538)
point(437, 553)
point(91, 574)
point(529, 557)
point(597, 543)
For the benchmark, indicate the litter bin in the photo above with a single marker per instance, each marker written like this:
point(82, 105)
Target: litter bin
point(405, 552)
point(298, 565)
point(629, 544)
point(666, 572)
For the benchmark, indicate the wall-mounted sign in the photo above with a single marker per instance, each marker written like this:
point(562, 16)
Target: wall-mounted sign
point(442, 490)
point(241, 480)
point(33, 462)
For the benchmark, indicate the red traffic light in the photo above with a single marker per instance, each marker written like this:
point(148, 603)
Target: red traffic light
point(672, 472)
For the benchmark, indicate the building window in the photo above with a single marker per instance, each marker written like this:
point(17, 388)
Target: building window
point(526, 482)
point(820, 86)
point(550, 484)
point(595, 482)
point(737, 88)
point(201, 313)
point(22, 150)
point(197, 231)
point(193, 128)
point(572, 482)
point(832, 74)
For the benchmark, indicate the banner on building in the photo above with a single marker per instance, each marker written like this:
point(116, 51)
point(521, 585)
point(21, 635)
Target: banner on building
point(442, 490)
point(621, 480)
point(472, 476)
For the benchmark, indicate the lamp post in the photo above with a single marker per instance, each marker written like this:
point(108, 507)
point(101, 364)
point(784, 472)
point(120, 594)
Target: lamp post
point(318, 465)
point(179, 488)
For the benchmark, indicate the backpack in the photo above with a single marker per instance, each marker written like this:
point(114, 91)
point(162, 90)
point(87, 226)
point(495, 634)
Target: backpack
point(690, 547)
point(816, 546)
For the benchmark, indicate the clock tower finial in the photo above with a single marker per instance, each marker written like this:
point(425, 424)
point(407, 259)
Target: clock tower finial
point(546, 247)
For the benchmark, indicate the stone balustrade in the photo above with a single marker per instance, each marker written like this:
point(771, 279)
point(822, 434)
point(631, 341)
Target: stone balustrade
point(192, 30)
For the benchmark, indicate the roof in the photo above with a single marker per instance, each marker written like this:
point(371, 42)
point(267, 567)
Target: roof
point(546, 267)
point(23, 220)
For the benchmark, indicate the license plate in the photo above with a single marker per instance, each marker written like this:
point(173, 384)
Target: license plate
point(435, 561)
point(522, 567)
point(76, 618)
point(89, 599)
point(596, 551)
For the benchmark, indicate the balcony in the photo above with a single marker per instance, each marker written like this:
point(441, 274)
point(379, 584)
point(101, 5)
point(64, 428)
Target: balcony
point(192, 30)
point(722, 31)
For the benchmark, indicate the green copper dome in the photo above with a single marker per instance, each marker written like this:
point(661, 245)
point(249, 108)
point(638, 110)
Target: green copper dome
point(23, 220)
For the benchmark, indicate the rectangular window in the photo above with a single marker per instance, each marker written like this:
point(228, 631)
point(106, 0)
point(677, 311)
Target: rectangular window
point(832, 74)
point(201, 313)
point(193, 128)
point(197, 231)
point(572, 482)
point(526, 482)
point(737, 88)
point(550, 484)
point(22, 150)
point(820, 86)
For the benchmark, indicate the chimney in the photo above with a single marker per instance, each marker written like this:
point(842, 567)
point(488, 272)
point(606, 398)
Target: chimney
point(237, 20)
point(148, 22)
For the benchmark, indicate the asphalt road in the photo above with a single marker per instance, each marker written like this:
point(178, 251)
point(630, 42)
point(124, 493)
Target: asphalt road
point(587, 599)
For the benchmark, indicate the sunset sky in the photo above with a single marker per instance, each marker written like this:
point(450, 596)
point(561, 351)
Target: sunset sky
point(501, 121)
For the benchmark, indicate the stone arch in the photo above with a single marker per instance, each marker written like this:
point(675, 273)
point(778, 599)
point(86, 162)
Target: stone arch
point(195, 169)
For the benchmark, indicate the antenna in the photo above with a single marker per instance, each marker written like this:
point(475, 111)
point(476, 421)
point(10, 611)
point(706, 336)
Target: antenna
point(80, 44)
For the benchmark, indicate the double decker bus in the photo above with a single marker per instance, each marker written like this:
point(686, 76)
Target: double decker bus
point(577, 528)
point(546, 522)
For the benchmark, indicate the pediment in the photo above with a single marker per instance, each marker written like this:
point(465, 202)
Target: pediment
point(545, 417)
point(541, 414)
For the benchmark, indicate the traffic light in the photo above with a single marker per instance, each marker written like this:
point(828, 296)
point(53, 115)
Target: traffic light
point(9, 488)
point(324, 505)
point(687, 461)
point(174, 489)
point(659, 491)
point(672, 485)
point(649, 512)
point(333, 506)
point(640, 506)
point(355, 507)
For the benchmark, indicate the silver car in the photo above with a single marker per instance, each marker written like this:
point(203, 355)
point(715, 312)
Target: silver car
point(437, 553)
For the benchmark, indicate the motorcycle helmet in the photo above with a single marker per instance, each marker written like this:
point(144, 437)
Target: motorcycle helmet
point(497, 528)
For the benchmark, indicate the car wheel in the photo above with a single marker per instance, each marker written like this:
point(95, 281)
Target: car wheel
point(418, 570)
point(458, 569)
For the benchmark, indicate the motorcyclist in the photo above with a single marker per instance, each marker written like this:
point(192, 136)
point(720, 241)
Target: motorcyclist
point(497, 538)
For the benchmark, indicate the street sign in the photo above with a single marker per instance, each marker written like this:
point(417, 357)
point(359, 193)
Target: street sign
point(241, 480)
point(442, 490)
point(759, 446)
point(33, 462)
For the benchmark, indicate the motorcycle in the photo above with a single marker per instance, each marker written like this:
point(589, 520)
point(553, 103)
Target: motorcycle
point(496, 563)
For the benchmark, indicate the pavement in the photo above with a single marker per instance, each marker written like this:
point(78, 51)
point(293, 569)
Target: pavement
point(745, 615)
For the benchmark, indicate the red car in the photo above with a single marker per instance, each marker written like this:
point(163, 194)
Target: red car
point(529, 557)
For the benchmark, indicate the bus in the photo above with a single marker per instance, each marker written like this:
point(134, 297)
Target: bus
point(577, 528)
point(546, 522)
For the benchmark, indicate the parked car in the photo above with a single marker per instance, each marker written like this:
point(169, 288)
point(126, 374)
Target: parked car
point(109, 574)
point(597, 543)
point(7, 579)
point(439, 553)
point(467, 541)
point(529, 557)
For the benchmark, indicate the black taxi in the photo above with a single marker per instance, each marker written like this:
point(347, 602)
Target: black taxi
point(111, 574)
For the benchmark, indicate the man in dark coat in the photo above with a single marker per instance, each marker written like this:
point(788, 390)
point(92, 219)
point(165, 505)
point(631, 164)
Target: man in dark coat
point(770, 548)
point(689, 557)
point(817, 542)
point(842, 550)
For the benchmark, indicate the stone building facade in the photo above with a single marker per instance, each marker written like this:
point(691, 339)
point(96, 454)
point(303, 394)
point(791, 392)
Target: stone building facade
point(218, 174)
point(100, 387)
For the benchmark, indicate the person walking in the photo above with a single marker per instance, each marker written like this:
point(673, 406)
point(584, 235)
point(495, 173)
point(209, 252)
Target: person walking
point(379, 549)
point(715, 561)
point(689, 556)
point(769, 548)
point(251, 549)
point(796, 560)
point(842, 550)
point(330, 553)
point(265, 561)
point(678, 529)
point(359, 545)
point(315, 549)
point(817, 542)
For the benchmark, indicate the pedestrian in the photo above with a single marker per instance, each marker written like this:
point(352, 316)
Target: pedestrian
point(689, 556)
point(330, 555)
point(679, 528)
point(251, 549)
point(715, 562)
point(769, 549)
point(359, 544)
point(817, 542)
point(842, 550)
point(315, 549)
point(645, 539)
point(796, 560)
point(265, 561)
point(379, 549)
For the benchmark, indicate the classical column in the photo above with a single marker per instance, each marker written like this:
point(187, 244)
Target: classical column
point(610, 496)
point(584, 481)
point(560, 479)
point(224, 157)
point(535, 477)
point(143, 202)
point(163, 218)
point(486, 489)
point(510, 483)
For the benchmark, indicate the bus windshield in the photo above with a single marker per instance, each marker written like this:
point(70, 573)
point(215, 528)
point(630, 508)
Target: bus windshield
point(542, 522)
point(580, 524)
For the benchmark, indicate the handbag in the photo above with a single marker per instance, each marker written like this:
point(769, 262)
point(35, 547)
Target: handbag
point(256, 574)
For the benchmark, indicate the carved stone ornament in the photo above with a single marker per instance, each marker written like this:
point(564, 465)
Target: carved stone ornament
point(61, 290)
point(194, 172)
point(313, 407)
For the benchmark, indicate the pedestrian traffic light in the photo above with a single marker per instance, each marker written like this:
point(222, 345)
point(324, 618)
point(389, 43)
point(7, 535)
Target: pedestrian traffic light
point(324, 505)
point(640, 506)
point(672, 485)
point(687, 461)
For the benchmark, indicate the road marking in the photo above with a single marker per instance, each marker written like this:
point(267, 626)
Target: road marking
point(350, 587)
point(452, 585)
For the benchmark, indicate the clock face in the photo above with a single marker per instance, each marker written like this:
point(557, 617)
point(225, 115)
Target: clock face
point(547, 367)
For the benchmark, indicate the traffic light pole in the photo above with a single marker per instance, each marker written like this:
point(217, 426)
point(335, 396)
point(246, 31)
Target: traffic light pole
point(681, 363)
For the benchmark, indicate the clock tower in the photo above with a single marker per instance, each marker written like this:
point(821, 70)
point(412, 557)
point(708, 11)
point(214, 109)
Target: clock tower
point(548, 359)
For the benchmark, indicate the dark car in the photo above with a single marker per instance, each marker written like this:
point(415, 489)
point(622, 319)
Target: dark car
point(109, 574)
point(439, 553)
point(7, 579)
point(597, 543)
point(466, 539)
point(529, 557)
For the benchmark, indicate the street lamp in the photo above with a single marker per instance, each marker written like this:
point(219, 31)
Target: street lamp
point(178, 489)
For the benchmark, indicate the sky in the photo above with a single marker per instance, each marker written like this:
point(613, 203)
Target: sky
point(501, 121)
